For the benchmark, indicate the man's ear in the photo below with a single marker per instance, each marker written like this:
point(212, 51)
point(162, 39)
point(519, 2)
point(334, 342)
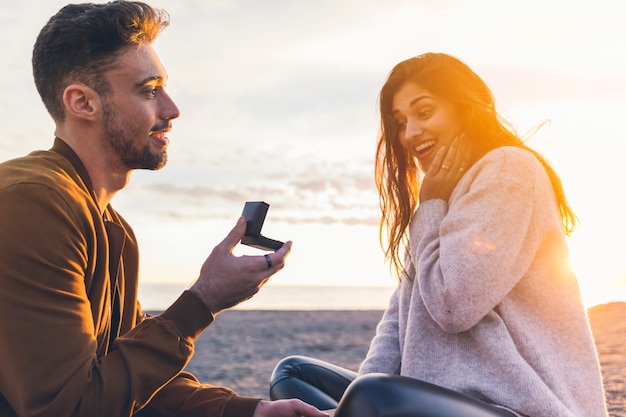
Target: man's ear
point(81, 102)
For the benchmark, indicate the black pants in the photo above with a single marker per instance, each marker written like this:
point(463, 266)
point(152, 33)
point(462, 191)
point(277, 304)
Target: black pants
point(328, 386)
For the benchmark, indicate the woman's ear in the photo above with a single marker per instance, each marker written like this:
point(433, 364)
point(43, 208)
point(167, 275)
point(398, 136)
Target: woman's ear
point(81, 102)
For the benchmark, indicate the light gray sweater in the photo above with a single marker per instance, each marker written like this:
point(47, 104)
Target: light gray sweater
point(490, 306)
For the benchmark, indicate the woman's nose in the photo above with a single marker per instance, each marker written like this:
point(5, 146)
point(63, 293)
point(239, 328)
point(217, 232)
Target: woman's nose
point(413, 129)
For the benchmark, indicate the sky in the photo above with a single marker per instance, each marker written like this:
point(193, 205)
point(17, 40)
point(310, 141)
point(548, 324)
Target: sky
point(279, 104)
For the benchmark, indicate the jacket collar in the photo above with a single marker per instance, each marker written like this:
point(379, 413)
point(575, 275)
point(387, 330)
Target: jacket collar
point(68, 153)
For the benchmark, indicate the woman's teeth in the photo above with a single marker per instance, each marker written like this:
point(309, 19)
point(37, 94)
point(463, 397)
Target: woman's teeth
point(424, 146)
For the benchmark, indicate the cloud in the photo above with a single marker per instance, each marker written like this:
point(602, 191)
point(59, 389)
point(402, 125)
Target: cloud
point(314, 191)
point(530, 84)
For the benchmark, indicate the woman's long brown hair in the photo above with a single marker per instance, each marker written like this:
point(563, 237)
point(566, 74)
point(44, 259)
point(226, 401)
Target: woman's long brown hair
point(397, 175)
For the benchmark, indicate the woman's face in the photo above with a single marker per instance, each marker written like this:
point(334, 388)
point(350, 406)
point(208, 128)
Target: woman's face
point(425, 122)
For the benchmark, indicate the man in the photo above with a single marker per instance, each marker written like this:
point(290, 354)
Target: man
point(73, 341)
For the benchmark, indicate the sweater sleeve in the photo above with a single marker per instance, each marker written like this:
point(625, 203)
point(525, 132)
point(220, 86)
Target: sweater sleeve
point(384, 353)
point(471, 253)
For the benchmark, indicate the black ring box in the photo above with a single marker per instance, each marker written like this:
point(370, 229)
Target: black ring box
point(255, 212)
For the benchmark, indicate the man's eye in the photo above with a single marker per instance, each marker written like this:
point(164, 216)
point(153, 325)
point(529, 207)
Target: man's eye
point(153, 92)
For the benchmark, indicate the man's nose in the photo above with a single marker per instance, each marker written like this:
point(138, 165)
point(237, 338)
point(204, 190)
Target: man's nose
point(169, 109)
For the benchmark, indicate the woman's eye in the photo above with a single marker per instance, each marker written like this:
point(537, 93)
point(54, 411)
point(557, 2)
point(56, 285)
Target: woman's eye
point(401, 125)
point(424, 113)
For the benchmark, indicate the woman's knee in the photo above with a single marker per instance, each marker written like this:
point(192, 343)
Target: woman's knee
point(362, 397)
point(289, 367)
point(379, 395)
point(305, 377)
point(366, 387)
point(312, 370)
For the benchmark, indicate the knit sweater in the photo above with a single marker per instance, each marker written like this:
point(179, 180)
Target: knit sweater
point(488, 305)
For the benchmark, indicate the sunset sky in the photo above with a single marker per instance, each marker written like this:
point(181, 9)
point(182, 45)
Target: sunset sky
point(279, 103)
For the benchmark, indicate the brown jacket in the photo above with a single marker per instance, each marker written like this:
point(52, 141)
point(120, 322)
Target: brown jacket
point(60, 258)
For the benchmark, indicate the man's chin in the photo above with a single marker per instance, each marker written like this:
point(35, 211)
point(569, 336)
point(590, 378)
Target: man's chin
point(152, 163)
point(157, 166)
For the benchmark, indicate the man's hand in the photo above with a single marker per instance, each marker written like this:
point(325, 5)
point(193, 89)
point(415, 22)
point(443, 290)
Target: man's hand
point(287, 408)
point(226, 280)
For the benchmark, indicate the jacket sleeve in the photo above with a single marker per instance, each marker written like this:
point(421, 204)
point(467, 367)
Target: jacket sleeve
point(470, 255)
point(185, 396)
point(48, 344)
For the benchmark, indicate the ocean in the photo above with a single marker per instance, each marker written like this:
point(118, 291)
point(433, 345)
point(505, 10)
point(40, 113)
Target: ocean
point(157, 297)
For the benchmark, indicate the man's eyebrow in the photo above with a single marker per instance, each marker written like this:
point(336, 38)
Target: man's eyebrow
point(155, 79)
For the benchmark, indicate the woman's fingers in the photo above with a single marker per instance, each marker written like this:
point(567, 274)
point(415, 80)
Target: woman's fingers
point(435, 166)
point(449, 163)
point(448, 166)
point(463, 155)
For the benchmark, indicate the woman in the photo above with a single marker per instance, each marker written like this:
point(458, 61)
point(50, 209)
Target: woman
point(487, 308)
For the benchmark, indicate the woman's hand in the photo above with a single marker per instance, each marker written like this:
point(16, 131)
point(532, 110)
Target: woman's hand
point(447, 168)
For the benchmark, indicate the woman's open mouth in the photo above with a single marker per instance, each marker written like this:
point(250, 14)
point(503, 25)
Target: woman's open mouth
point(423, 149)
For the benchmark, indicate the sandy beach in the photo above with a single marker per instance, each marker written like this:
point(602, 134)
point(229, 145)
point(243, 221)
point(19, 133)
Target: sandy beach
point(241, 348)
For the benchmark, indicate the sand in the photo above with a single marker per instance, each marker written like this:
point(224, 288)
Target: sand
point(608, 322)
point(242, 347)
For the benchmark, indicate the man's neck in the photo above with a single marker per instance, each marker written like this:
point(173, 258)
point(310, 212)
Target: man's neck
point(106, 181)
point(106, 177)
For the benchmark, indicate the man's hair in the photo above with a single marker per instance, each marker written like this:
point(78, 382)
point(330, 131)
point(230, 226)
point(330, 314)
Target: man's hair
point(82, 42)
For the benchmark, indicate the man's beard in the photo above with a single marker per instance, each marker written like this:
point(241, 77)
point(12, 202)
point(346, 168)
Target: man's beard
point(120, 136)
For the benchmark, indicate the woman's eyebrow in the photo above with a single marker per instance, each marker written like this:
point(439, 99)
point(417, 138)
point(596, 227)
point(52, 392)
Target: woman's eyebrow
point(412, 103)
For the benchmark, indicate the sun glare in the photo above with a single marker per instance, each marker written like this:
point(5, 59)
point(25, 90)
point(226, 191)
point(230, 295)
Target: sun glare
point(601, 276)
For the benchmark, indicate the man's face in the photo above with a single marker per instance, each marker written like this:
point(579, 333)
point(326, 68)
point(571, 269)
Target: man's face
point(138, 112)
